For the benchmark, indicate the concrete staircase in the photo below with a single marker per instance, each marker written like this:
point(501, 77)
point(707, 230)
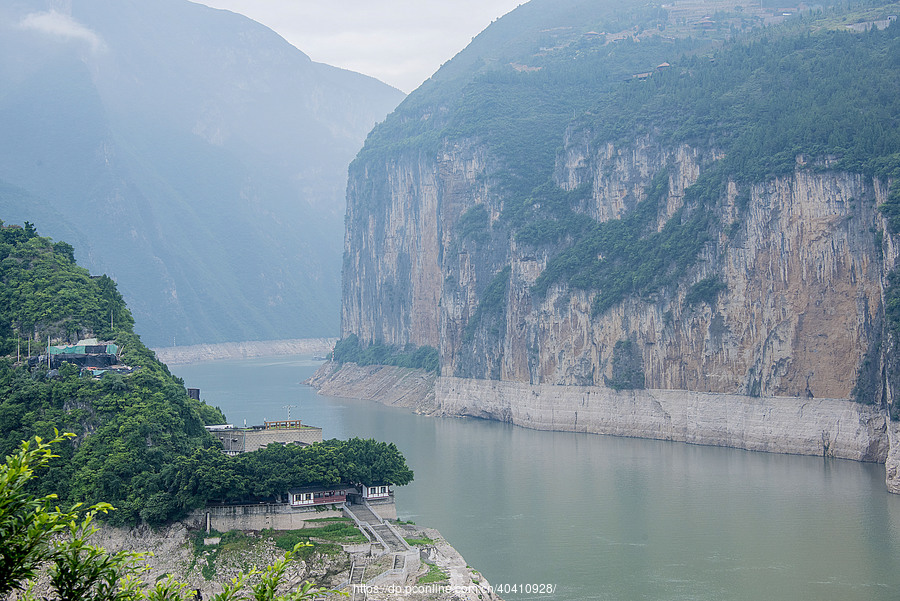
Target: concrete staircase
point(357, 577)
point(357, 574)
point(379, 530)
point(364, 514)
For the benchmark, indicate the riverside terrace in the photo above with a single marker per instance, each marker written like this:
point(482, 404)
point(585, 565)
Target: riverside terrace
point(244, 440)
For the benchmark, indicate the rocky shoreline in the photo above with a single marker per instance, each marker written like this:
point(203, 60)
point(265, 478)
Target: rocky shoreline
point(827, 427)
point(181, 355)
point(206, 563)
point(394, 386)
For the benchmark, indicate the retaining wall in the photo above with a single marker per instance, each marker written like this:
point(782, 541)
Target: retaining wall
point(803, 426)
point(258, 517)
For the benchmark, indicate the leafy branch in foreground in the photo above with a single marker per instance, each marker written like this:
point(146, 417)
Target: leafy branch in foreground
point(27, 523)
point(29, 529)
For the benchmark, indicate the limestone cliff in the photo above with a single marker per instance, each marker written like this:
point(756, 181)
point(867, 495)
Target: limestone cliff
point(802, 271)
point(769, 255)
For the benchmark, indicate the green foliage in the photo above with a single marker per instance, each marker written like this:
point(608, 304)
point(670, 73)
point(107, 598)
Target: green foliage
point(340, 532)
point(137, 435)
point(892, 302)
point(627, 367)
point(891, 207)
point(474, 224)
point(81, 571)
point(208, 475)
point(420, 541)
point(840, 86)
point(492, 302)
point(351, 350)
point(89, 572)
point(43, 293)
point(435, 574)
point(629, 256)
point(28, 523)
point(547, 215)
point(892, 330)
point(706, 291)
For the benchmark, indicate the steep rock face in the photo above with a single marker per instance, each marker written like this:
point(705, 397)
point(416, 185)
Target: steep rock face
point(800, 264)
point(398, 229)
point(694, 235)
point(619, 176)
point(802, 305)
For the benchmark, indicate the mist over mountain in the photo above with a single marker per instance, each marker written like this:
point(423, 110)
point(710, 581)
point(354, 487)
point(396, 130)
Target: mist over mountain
point(191, 154)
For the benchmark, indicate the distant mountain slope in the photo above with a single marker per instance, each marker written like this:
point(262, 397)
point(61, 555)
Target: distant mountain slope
point(191, 153)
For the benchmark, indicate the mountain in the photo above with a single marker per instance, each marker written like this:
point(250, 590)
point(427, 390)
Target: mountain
point(699, 200)
point(190, 153)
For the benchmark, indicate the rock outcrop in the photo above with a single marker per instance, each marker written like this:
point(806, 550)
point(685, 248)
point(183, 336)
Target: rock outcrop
point(386, 384)
point(178, 552)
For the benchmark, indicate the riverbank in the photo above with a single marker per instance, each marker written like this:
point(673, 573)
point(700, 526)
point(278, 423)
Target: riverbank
point(204, 563)
point(386, 384)
point(802, 426)
point(184, 355)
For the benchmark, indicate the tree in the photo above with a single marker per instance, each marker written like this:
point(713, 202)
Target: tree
point(86, 572)
point(27, 523)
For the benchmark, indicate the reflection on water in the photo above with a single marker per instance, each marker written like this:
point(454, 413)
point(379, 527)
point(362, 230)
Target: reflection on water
point(602, 517)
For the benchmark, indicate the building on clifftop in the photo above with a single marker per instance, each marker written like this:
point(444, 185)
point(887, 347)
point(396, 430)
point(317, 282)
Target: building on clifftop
point(244, 440)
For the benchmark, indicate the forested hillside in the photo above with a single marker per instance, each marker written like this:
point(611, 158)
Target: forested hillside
point(192, 154)
point(140, 443)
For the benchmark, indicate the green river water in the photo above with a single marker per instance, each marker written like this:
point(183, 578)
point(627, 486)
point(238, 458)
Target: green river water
point(607, 518)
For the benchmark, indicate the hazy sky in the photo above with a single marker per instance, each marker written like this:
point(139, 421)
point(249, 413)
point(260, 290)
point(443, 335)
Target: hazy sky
point(401, 42)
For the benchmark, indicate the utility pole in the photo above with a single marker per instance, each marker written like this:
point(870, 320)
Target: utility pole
point(288, 407)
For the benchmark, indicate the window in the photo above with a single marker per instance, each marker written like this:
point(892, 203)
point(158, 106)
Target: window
point(384, 489)
point(372, 490)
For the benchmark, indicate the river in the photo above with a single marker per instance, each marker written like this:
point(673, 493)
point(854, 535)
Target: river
point(601, 517)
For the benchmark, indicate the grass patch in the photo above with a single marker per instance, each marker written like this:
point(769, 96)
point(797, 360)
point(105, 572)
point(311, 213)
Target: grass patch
point(342, 532)
point(231, 541)
point(235, 540)
point(435, 574)
point(420, 541)
point(336, 530)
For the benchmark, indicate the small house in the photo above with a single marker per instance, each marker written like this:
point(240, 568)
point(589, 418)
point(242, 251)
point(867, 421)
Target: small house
point(380, 491)
point(320, 495)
